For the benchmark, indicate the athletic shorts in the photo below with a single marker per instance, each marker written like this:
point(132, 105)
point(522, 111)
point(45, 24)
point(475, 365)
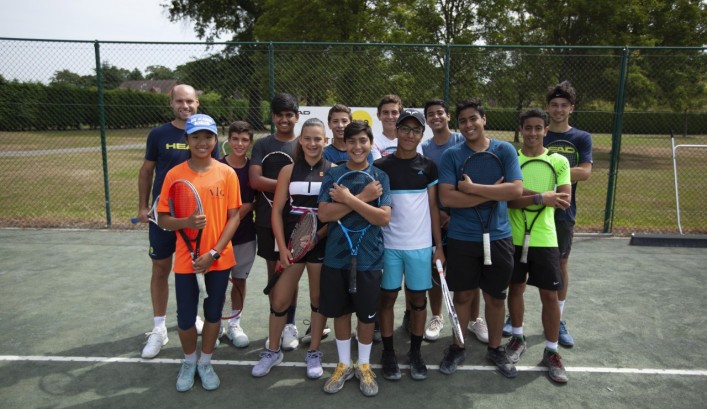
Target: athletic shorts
point(162, 242)
point(187, 291)
point(266, 243)
point(335, 300)
point(542, 269)
point(565, 234)
point(414, 264)
point(245, 256)
point(466, 270)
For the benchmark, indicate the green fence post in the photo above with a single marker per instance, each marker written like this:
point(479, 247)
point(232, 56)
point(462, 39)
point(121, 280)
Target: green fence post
point(447, 64)
point(616, 143)
point(102, 127)
point(271, 79)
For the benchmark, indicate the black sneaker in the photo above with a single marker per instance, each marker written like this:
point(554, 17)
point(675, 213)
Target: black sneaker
point(453, 356)
point(504, 365)
point(389, 364)
point(418, 368)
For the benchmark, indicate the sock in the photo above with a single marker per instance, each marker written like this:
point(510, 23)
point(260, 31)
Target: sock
point(236, 320)
point(190, 358)
point(388, 343)
point(552, 346)
point(291, 314)
point(415, 343)
point(204, 359)
point(517, 331)
point(160, 322)
point(562, 307)
point(364, 353)
point(343, 347)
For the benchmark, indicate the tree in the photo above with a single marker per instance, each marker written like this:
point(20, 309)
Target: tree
point(215, 18)
point(159, 72)
point(71, 78)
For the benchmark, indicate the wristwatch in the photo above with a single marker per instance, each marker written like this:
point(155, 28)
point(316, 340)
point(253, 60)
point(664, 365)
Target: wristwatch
point(215, 254)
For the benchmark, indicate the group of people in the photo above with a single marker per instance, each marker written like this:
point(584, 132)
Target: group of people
point(250, 207)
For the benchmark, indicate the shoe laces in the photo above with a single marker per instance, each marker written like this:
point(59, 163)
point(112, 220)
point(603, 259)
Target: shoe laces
point(436, 323)
point(268, 354)
point(365, 373)
point(563, 329)
point(339, 372)
point(516, 343)
point(480, 325)
point(313, 356)
point(554, 358)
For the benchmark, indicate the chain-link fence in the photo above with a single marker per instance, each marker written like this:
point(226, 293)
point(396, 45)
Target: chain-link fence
point(73, 141)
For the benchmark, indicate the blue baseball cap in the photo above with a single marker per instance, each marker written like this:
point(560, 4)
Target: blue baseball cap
point(200, 122)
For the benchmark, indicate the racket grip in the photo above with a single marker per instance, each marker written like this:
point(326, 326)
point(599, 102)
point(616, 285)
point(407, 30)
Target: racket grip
point(276, 247)
point(352, 276)
point(271, 283)
point(440, 268)
point(134, 220)
point(202, 284)
point(487, 249)
point(524, 252)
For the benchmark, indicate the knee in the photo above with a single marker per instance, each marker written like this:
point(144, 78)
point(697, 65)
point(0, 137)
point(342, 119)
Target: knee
point(419, 305)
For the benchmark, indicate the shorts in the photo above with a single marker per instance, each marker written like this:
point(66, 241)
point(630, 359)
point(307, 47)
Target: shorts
point(162, 243)
point(335, 300)
point(466, 270)
point(565, 234)
point(542, 269)
point(266, 243)
point(245, 256)
point(187, 291)
point(414, 264)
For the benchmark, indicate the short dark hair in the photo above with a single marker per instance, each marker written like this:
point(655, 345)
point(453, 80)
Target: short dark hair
point(533, 113)
point(474, 103)
point(240, 127)
point(436, 102)
point(339, 108)
point(356, 127)
point(562, 90)
point(284, 102)
point(390, 99)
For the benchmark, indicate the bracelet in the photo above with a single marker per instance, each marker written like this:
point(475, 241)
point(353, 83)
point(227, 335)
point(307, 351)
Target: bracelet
point(535, 199)
point(540, 199)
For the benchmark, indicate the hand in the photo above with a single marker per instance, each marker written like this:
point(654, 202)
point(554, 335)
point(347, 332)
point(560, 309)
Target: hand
point(202, 263)
point(285, 258)
point(196, 221)
point(142, 215)
point(468, 186)
point(371, 192)
point(340, 193)
point(556, 200)
point(439, 255)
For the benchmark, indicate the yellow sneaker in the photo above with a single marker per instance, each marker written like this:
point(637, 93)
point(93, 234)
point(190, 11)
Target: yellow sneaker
point(368, 384)
point(336, 382)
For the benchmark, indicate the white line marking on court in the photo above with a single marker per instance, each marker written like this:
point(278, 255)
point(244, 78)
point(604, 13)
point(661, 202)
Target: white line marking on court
point(578, 369)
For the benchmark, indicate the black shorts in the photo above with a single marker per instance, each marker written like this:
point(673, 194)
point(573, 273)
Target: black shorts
point(162, 242)
point(466, 270)
point(565, 234)
point(266, 243)
point(542, 269)
point(335, 300)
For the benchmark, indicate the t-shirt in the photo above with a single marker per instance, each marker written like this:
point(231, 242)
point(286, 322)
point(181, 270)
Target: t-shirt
point(410, 226)
point(246, 228)
point(582, 140)
point(543, 233)
point(433, 151)
point(464, 223)
point(167, 147)
point(370, 251)
point(261, 148)
point(384, 146)
point(334, 155)
point(219, 191)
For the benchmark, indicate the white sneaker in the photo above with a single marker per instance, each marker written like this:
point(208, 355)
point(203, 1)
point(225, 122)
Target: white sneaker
point(199, 324)
point(155, 341)
point(237, 336)
point(268, 359)
point(479, 329)
point(434, 327)
point(290, 337)
point(314, 364)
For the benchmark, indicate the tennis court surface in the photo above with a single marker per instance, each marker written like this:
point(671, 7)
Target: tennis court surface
point(74, 306)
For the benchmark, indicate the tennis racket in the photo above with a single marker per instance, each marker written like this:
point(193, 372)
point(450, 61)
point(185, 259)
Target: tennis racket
point(151, 215)
point(184, 200)
point(449, 304)
point(389, 150)
point(353, 224)
point(224, 144)
point(566, 149)
point(302, 239)
point(271, 165)
point(538, 176)
point(484, 168)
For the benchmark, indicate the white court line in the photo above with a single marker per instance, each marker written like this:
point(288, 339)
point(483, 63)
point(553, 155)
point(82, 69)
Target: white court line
point(578, 369)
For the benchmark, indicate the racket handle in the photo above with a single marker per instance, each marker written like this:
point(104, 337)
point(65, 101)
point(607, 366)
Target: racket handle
point(276, 247)
point(134, 220)
point(352, 276)
point(526, 245)
point(487, 249)
point(202, 284)
point(272, 282)
point(440, 268)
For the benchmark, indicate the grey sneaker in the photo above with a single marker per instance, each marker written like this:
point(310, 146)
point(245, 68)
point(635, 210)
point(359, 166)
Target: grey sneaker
point(504, 365)
point(307, 338)
point(314, 364)
point(209, 379)
point(367, 380)
point(556, 370)
point(479, 329)
point(418, 367)
point(515, 348)
point(290, 337)
point(434, 327)
point(336, 382)
point(185, 379)
point(268, 359)
point(453, 356)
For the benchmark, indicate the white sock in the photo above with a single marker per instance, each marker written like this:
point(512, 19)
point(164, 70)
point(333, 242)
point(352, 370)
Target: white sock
point(562, 307)
point(517, 331)
point(552, 346)
point(343, 347)
point(190, 358)
point(364, 353)
point(236, 320)
point(204, 359)
point(160, 322)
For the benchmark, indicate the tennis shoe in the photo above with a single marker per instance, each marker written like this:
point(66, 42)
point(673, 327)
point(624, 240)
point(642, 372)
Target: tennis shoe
point(507, 327)
point(453, 356)
point(268, 359)
point(377, 337)
point(565, 339)
point(237, 336)
point(185, 379)
point(209, 379)
point(314, 364)
point(307, 338)
point(199, 324)
point(155, 341)
point(367, 380)
point(515, 348)
point(434, 327)
point(556, 370)
point(418, 367)
point(336, 381)
point(389, 364)
point(479, 329)
point(290, 337)
point(504, 365)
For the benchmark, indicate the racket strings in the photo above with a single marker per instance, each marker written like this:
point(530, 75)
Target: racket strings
point(184, 201)
point(483, 168)
point(538, 176)
point(303, 236)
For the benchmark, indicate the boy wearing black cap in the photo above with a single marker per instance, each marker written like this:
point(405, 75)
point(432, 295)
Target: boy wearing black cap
point(408, 243)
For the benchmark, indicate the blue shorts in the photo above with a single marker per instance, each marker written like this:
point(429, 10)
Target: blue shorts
point(162, 242)
point(414, 264)
point(187, 291)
